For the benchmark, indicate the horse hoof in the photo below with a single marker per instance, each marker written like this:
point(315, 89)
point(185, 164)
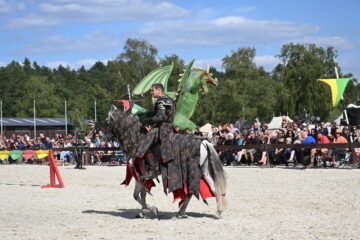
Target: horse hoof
point(140, 215)
point(181, 216)
point(154, 210)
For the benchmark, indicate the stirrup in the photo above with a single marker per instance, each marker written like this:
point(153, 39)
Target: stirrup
point(147, 177)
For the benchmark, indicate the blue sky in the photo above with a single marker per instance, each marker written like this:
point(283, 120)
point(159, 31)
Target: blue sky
point(80, 32)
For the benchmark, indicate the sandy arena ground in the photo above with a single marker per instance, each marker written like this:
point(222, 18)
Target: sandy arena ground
point(272, 203)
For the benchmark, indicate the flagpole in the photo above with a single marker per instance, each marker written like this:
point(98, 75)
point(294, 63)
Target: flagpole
point(34, 121)
point(95, 110)
point(336, 72)
point(342, 98)
point(66, 125)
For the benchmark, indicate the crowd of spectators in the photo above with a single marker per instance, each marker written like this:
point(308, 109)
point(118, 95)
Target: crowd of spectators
point(288, 133)
point(228, 134)
point(92, 140)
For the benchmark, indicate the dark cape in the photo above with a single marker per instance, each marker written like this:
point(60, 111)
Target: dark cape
point(180, 153)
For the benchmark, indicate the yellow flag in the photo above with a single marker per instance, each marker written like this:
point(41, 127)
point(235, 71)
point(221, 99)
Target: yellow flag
point(4, 155)
point(337, 86)
point(42, 153)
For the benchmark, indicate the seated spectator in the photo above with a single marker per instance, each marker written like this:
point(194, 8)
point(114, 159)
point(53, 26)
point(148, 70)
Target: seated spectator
point(265, 153)
point(289, 152)
point(290, 134)
point(280, 152)
point(228, 156)
point(313, 133)
point(253, 139)
point(239, 137)
point(338, 151)
point(48, 143)
point(301, 152)
point(321, 139)
point(240, 140)
point(346, 134)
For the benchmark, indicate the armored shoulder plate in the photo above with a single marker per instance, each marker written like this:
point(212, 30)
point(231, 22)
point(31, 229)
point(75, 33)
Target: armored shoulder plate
point(164, 102)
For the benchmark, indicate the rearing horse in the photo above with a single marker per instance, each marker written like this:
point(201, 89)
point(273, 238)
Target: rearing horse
point(123, 126)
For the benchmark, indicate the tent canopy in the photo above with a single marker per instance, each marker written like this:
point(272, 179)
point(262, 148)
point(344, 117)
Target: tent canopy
point(276, 122)
point(206, 128)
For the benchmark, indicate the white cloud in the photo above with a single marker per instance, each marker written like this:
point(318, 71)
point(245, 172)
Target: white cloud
point(58, 12)
point(56, 64)
point(213, 62)
point(267, 61)
point(221, 31)
point(10, 6)
point(338, 43)
point(88, 63)
point(2, 64)
point(350, 65)
point(96, 41)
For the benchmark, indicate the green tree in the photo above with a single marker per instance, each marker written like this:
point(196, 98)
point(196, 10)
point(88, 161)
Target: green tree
point(245, 90)
point(47, 103)
point(301, 65)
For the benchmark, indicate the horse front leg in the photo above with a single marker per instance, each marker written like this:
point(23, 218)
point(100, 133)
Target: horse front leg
point(181, 213)
point(150, 208)
point(140, 197)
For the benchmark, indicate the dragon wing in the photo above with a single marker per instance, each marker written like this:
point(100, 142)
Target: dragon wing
point(159, 75)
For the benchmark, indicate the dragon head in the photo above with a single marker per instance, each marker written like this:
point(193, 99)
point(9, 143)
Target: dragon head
point(207, 78)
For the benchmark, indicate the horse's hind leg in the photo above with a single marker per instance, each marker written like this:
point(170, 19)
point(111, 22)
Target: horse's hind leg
point(181, 213)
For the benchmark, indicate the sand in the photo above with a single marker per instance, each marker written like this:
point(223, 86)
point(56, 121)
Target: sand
point(274, 203)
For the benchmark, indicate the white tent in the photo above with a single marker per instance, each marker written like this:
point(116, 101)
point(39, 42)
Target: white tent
point(276, 122)
point(206, 128)
point(338, 119)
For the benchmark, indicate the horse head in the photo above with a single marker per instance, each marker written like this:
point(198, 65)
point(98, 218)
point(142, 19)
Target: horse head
point(112, 114)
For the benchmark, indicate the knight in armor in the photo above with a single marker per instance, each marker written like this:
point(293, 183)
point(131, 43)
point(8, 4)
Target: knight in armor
point(161, 133)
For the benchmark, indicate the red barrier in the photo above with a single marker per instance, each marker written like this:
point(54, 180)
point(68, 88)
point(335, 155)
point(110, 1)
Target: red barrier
point(54, 171)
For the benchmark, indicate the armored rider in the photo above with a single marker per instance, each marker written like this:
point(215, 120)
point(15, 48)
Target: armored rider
point(161, 133)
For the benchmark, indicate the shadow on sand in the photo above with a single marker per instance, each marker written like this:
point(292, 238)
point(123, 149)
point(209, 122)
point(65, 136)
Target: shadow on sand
point(21, 184)
point(133, 214)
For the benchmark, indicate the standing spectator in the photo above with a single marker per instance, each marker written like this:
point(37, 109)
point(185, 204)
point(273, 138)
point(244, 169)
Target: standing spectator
point(296, 129)
point(214, 132)
point(233, 129)
point(257, 121)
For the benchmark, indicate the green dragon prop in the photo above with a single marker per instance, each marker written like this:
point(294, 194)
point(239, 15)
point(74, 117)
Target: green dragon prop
point(187, 95)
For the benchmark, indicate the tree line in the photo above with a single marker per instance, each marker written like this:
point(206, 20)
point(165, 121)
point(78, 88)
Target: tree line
point(245, 89)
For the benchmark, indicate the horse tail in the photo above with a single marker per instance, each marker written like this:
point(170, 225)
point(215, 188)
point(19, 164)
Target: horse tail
point(218, 175)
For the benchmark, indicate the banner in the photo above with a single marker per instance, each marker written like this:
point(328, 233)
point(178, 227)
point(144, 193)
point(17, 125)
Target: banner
point(337, 87)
